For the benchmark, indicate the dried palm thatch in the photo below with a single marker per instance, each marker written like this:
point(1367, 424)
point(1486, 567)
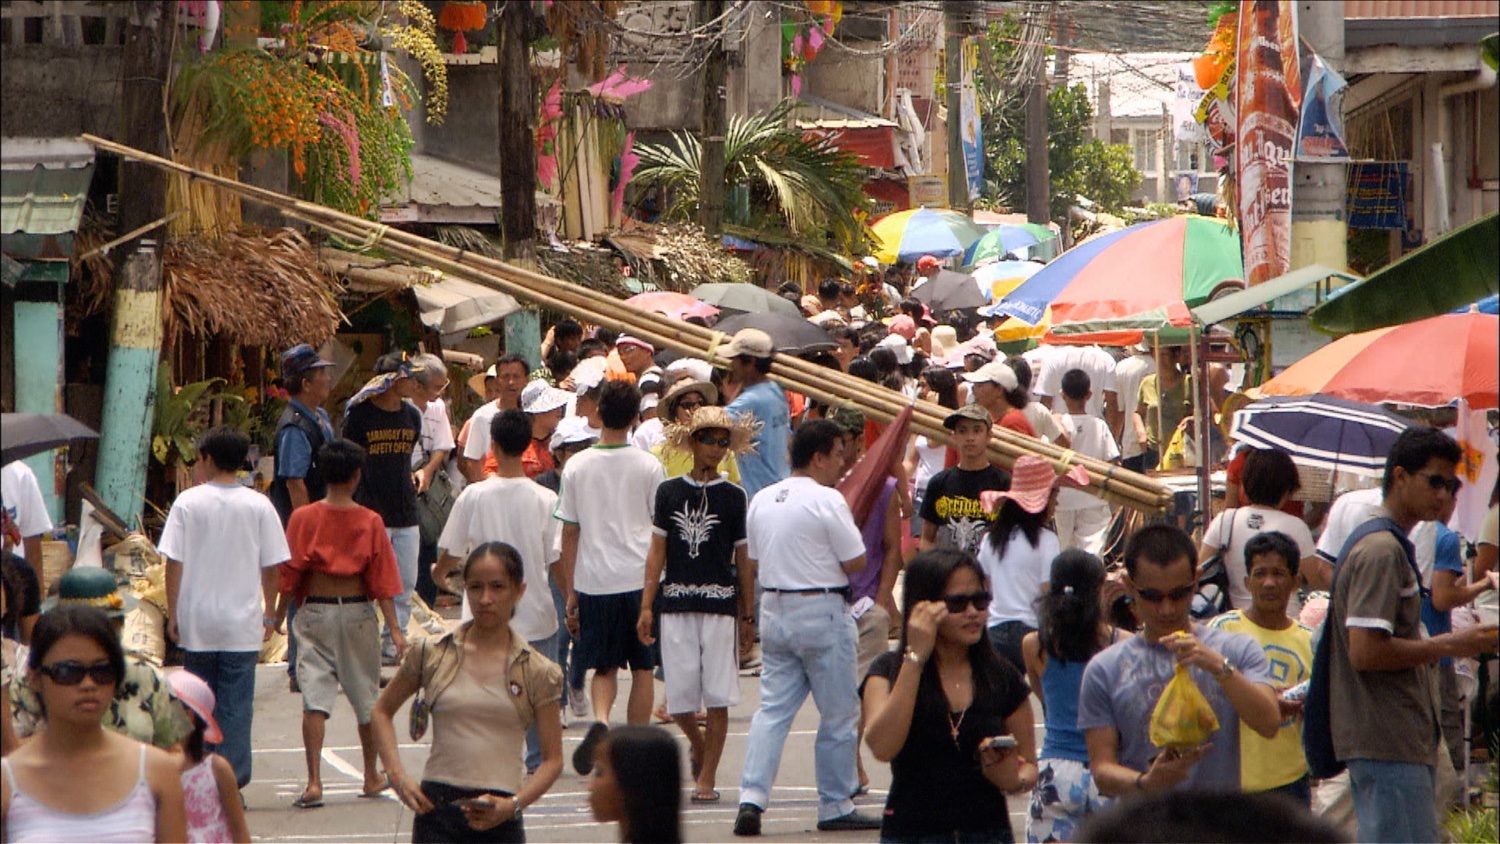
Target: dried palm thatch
point(91, 280)
point(260, 287)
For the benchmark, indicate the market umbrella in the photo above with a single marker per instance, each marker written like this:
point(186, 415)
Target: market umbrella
point(25, 434)
point(949, 291)
point(672, 305)
point(1321, 431)
point(1006, 238)
point(998, 279)
point(906, 236)
point(1430, 362)
point(745, 298)
point(1144, 276)
point(790, 334)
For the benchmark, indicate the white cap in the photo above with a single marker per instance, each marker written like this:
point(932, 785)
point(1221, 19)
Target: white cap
point(869, 261)
point(751, 342)
point(540, 397)
point(588, 374)
point(571, 431)
point(696, 369)
point(996, 372)
point(897, 344)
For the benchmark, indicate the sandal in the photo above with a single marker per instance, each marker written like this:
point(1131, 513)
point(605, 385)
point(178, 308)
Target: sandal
point(303, 802)
point(710, 796)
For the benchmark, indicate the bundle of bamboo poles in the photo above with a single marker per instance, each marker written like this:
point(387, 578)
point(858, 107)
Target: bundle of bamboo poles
point(1106, 480)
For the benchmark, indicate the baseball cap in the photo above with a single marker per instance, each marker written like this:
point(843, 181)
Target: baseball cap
point(995, 371)
point(588, 374)
point(629, 340)
point(300, 358)
point(828, 319)
point(904, 326)
point(927, 262)
point(897, 344)
point(196, 695)
point(751, 342)
point(969, 411)
point(540, 397)
point(572, 430)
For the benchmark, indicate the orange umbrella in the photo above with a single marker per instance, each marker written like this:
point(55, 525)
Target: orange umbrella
point(1430, 362)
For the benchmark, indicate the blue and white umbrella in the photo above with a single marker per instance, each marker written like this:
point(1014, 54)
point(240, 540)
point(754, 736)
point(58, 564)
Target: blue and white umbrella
point(1321, 431)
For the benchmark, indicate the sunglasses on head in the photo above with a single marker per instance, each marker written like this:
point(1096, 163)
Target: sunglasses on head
point(720, 441)
point(1453, 485)
point(71, 673)
point(957, 603)
point(1156, 596)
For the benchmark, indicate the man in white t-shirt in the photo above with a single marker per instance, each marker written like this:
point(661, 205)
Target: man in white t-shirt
point(510, 378)
point(1129, 373)
point(607, 507)
point(1098, 364)
point(224, 545)
point(27, 511)
point(803, 545)
point(509, 507)
point(1082, 520)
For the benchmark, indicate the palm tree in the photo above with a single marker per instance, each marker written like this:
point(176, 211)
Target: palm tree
point(811, 185)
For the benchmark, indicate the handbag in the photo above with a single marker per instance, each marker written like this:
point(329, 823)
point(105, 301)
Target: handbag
point(433, 507)
point(1212, 596)
point(420, 714)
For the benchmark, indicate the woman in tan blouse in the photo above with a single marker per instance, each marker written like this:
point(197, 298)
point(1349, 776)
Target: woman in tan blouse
point(484, 687)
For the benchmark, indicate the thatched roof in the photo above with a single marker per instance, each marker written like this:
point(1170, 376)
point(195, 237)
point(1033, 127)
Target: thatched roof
point(260, 287)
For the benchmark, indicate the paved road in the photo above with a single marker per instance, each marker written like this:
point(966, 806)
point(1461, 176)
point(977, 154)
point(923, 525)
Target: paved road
point(562, 815)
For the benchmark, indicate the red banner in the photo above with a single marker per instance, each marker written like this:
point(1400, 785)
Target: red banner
point(1267, 94)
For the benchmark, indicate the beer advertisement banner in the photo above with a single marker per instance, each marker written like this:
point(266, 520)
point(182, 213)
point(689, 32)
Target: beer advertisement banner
point(1268, 95)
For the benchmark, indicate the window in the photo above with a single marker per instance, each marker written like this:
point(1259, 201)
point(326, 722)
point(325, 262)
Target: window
point(1189, 158)
point(1145, 142)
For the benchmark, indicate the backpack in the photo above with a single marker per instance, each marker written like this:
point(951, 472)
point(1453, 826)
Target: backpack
point(1212, 596)
point(1317, 723)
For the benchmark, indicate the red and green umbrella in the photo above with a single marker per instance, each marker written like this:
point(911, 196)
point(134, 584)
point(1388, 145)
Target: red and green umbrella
point(1141, 278)
point(906, 236)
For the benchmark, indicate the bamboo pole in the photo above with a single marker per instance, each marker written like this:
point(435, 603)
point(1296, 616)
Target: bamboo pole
point(1107, 481)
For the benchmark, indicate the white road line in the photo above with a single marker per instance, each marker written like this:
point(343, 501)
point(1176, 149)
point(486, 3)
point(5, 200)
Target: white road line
point(354, 773)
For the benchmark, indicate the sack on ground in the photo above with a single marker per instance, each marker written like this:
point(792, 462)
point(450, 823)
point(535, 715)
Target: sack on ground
point(1182, 719)
point(145, 633)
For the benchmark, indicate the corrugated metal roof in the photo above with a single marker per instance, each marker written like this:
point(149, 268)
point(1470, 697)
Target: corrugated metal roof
point(1354, 9)
point(44, 183)
point(439, 182)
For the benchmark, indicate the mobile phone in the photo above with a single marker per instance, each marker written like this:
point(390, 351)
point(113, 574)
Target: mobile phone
point(1000, 743)
point(470, 803)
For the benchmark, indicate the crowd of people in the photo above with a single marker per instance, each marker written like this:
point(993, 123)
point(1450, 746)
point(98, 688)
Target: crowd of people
point(621, 509)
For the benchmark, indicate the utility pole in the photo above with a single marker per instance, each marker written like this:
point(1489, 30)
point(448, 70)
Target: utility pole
point(135, 336)
point(714, 123)
point(1038, 172)
point(1319, 227)
point(955, 21)
point(517, 27)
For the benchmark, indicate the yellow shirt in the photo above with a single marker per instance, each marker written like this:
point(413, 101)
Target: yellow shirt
point(678, 462)
point(1270, 763)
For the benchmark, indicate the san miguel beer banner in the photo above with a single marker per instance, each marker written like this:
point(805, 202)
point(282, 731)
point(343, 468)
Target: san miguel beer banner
point(1267, 98)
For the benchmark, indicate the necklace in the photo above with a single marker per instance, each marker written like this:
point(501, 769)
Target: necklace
point(955, 723)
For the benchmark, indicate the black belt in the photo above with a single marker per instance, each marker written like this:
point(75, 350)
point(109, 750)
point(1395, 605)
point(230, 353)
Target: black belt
point(816, 590)
point(321, 599)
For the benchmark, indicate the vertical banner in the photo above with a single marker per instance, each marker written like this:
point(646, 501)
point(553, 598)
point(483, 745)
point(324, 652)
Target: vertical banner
point(1320, 130)
point(973, 141)
point(1268, 93)
point(1476, 434)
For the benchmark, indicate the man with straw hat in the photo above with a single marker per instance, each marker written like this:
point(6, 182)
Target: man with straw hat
point(697, 552)
point(677, 408)
point(144, 709)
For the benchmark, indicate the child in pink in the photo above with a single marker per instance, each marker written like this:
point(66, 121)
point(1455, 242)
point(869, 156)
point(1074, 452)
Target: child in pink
point(210, 793)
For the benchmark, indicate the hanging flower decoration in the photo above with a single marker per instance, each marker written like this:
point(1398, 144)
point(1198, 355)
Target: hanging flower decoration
point(803, 38)
point(546, 137)
point(460, 17)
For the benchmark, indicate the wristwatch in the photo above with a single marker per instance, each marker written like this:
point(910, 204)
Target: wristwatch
point(515, 804)
point(1225, 670)
point(913, 657)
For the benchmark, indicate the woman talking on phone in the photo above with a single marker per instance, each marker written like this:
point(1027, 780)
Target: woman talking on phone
point(951, 717)
point(484, 686)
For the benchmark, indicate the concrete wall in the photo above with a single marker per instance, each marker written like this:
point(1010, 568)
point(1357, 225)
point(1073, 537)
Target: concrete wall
point(849, 79)
point(469, 134)
point(49, 91)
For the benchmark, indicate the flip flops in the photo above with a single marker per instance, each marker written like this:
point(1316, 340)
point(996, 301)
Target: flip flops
point(710, 796)
point(303, 803)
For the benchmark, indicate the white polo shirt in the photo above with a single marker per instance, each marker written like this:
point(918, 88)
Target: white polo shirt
point(609, 491)
point(799, 532)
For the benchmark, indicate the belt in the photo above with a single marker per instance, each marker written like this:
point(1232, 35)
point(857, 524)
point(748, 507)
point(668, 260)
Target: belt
point(323, 599)
point(815, 590)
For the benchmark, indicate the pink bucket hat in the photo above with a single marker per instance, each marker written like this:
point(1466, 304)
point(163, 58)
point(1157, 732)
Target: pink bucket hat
point(198, 697)
point(1032, 480)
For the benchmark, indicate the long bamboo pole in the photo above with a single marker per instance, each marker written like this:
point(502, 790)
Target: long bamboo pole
point(1107, 481)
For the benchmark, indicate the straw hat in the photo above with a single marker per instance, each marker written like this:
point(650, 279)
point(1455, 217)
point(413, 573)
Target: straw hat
point(94, 587)
point(1032, 480)
point(666, 410)
point(477, 380)
point(741, 430)
point(944, 341)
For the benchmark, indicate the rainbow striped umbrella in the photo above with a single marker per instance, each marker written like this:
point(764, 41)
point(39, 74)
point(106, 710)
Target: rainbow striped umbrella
point(1143, 277)
point(1006, 238)
point(906, 236)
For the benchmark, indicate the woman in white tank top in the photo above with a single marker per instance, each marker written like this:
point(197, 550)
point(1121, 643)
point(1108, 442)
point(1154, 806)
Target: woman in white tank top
point(76, 781)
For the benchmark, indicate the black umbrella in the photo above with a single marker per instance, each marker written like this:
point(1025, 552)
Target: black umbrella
point(791, 334)
point(950, 291)
point(25, 434)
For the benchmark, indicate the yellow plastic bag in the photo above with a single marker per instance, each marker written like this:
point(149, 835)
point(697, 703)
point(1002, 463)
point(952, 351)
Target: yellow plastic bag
point(1182, 719)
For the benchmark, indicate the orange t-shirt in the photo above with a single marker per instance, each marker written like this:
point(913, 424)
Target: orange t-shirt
point(535, 460)
point(1016, 421)
point(340, 541)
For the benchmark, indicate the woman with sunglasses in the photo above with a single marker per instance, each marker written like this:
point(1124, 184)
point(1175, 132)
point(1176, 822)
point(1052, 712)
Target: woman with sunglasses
point(1071, 628)
point(677, 408)
point(77, 781)
point(951, 717)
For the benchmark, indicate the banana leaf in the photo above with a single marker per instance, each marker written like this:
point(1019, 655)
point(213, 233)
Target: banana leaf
point(1460, 267)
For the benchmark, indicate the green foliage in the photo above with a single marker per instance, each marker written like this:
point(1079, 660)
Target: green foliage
point(1489, 49)
point(181, 415)
point(1078, 165)
point(1472, 825)
point(804, 186)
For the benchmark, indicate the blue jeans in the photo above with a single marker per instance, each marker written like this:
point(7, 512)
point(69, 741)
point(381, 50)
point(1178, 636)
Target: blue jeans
point(291, 641)
point(1393, 801)
point(546, 647)
point(231, 675)
point(408, 545)
point(573, 670)
point(807, 645)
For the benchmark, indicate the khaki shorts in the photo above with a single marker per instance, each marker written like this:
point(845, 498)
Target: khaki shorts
point(338, 646)
point(874, 630)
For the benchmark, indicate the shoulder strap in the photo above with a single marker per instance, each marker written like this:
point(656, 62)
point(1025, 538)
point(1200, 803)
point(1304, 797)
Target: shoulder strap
point(1229, 537)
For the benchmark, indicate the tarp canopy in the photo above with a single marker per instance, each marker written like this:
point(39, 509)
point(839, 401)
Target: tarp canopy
point(453, 306)
point(1241, 301)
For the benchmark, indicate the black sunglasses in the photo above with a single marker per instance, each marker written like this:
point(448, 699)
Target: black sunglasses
point(1156, 596)
point(1453, 485)
point(688, 404)
point(721, 442)
point(957, 603)
point(71, 673)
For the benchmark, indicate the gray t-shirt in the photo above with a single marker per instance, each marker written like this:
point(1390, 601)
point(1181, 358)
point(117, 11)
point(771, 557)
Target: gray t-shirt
point(1122, 684)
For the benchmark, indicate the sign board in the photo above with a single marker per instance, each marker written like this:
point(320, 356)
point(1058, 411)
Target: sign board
point(1377, 195)
point(928, 190)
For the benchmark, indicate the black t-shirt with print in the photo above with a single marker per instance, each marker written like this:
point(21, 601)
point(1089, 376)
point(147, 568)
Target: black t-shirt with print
point(702, 525)
point(937, 787)
point(388, 437)
point(952, 503)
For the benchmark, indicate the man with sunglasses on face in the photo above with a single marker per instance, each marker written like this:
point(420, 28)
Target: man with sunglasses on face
point(1122, 684)
point(1383, 711)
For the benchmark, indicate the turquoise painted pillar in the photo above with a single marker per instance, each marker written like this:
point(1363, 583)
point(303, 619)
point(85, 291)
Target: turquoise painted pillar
point(523, 335)
point(39, 354)
point(130, 384)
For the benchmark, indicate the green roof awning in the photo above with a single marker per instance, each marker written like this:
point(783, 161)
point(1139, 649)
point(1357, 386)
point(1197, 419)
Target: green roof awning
point(44, 184)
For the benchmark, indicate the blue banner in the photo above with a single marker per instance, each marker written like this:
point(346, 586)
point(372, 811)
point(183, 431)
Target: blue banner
point(1377, 195)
